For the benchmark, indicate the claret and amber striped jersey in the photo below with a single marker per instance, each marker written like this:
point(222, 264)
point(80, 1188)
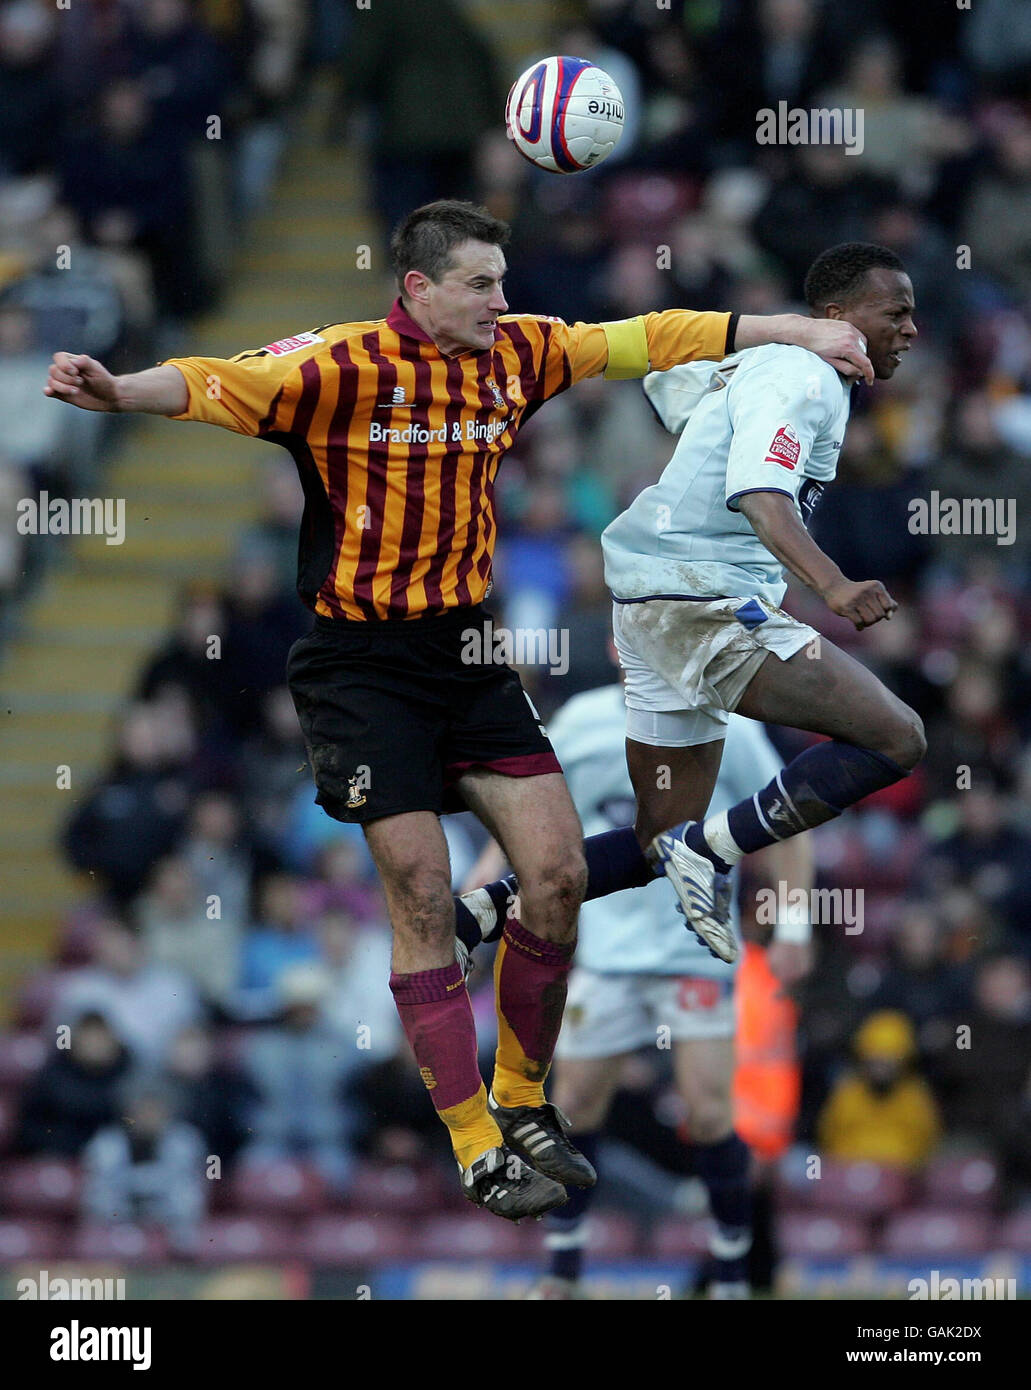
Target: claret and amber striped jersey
point(398, 444)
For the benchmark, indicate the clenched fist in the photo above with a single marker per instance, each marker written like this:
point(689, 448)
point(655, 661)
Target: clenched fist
point(863, 602)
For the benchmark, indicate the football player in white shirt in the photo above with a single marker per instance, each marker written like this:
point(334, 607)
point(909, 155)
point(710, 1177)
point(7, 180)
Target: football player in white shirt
point(638, 974)
point(696, 568)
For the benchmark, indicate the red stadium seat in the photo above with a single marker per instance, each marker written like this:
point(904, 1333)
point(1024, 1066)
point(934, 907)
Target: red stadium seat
point(30, 1240)
point(969, 1182)
point(284, 1188)
point(125, 1243)
point(351, 1240)
point(472, 1237)
point(394, 1190)
point(40, 1187)
point(677, 1238)
point(21, 1056)
point(1013, 1235)
point(224, 1239)
point(933, 1232)
point(807, 1236)
point(851, 1189)
point(611, 1235)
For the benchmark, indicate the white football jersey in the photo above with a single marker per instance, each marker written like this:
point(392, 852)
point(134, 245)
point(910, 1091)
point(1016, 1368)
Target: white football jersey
point(766, 419)
point(640, 930)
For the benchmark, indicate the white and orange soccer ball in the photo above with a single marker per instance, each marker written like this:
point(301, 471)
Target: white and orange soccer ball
point(564, 115)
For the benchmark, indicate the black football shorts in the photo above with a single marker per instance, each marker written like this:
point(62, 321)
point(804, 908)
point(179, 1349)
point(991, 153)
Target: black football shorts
point(394, 712)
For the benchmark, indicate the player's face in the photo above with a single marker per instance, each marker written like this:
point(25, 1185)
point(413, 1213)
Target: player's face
point(884, 315)
point(462, 307)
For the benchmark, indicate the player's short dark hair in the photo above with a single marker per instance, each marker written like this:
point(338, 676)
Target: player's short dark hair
point(837, 274)
point(425, 239)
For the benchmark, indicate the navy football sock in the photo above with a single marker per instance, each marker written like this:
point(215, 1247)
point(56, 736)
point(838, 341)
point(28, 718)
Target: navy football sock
point(567, 1227)
point(614, 861)
point(724, 1168)
point(814, 787)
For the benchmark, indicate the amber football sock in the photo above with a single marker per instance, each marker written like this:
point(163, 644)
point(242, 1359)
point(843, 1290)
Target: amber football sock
point(530, 995)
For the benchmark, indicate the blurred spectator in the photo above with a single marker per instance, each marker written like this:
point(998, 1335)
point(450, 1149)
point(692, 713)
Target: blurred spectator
point(283, 936)
point(998, 214)
point(991, 858)
point(137, 812)
point(146, 1004)
point(882, 1112)
point(298, 1067)
point(148, 1169)
point(420, 142)
point(179, 930)
point(212, 1096)
point(272, 769)
point(125, 176)
point(986, 1070)
point(216, 851)
point(920, 981)
point(262, 623)
point(30, 94)
point(359, 1006)
point(76, 1091)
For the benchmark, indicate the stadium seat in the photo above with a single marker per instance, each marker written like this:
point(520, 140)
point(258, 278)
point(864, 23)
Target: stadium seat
point(1013, 1235)
point(933, 1232)
point(284, 1188)
point(476, 1236)
point(124, 1243)
point(850, 1189)
point(611, 1235)
point(224, 1239)
point(30, 1240)
point(351, 1240)
point(969, 1181)
point(40, 1187)
point(679, 1238)
point(804, 1235)
point(21, 1056)
point(395, 1190)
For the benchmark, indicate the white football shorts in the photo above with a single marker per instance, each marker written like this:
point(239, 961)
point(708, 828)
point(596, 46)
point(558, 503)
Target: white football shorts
point(687, 662)
point(608, 1015)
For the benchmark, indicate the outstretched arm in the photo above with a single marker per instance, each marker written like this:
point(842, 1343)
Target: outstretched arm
point(85, 382)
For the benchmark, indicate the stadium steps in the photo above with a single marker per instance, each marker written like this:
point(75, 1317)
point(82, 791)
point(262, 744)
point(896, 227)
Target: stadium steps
point(102, 610)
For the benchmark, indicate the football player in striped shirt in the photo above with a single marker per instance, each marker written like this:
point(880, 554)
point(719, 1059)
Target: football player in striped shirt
point(397, 427)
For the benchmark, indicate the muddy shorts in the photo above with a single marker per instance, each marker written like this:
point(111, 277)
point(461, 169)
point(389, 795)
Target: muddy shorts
point(687, 662)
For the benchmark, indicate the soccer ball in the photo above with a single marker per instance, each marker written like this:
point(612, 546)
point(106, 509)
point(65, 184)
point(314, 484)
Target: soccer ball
point(564, 115)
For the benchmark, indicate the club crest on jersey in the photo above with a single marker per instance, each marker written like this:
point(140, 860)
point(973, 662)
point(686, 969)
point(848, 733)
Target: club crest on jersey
point(294, 344)
point(785, 448)
point(499, 399)
point(355, 795)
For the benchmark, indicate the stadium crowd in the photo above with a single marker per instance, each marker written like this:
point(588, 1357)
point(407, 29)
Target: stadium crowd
point(226, 987)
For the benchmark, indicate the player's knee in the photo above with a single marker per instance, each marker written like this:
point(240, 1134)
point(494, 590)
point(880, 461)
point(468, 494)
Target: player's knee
point(907, 741)
point(557, 888)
